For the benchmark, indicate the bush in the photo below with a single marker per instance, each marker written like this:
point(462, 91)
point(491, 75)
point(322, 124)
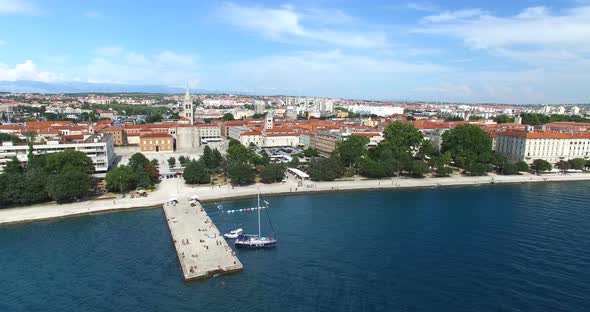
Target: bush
point(541, 165)
point(522, 166)
point(272, 173)
point(241, 173)
point(196, 173)
point(372, 169)
point(171, 161)
point(477, 169)
point(509, 169)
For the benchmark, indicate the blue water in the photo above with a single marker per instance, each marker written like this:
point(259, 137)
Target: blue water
point(492, 248)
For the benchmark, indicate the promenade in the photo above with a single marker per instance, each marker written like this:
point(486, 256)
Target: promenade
point(177, 188)
point(202, 251)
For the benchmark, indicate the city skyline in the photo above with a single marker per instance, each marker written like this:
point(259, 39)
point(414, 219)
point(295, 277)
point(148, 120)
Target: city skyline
point(452, 51)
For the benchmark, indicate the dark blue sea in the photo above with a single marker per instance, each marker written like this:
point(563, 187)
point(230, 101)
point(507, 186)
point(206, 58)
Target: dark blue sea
point(488, 248)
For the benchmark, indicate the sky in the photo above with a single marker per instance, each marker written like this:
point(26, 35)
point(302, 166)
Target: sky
point(455, 50)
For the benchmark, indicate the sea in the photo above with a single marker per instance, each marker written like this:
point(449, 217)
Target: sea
point(522, 247)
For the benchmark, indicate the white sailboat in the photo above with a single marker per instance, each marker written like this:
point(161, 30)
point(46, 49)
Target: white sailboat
point(253, 240)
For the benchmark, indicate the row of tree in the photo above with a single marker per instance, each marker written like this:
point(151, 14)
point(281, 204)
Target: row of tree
point(140, 172)
point(62, 177)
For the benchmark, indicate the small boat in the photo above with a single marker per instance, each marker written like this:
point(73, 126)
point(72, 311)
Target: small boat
point(253, 240)
point(233, 233)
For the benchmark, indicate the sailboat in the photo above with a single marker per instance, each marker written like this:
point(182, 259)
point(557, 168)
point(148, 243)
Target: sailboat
point(253, 240)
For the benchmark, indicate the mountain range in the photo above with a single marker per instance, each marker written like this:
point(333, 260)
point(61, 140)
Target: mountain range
point(28, 86)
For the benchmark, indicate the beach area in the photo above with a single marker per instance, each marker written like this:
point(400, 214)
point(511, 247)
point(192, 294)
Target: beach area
point(176, 188)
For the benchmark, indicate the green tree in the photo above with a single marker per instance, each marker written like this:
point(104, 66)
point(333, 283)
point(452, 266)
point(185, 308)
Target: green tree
point(325, 169)
point(503, 119)
point(477, 169)
point(310, 152)
point(426, 150)
point(171, 161)
point(121, 179)
point(227, 117)
point(153, 118)
point(541, 165)
point(587, 164)
point(509, 169)
point(69, 160)
point(372, 169)
point(207, 158)
point(522, 166)
point(563, 165)
point(272, 173)
point(217, 159)
point(403, 136)
point(69, 185)
point(294, 162)
point(196, 172)
point(419, 168)
point(352, 150)
point(467, 144)
point(183, 160)
point(241, 173)
point(577, 163)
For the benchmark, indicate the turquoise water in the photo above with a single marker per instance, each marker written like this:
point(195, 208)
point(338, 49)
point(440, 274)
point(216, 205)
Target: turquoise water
point(489, 248)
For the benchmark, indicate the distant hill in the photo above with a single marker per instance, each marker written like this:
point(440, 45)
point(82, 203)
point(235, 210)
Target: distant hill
point(27, 86)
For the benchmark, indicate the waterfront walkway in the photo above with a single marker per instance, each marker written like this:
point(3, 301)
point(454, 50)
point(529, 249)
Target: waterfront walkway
point(202, 251)
point(169, 187)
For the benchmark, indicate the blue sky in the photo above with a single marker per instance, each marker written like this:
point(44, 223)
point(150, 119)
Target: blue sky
point(488, 51)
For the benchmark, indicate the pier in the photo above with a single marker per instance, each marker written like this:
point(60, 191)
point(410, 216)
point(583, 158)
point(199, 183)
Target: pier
point(202, 250)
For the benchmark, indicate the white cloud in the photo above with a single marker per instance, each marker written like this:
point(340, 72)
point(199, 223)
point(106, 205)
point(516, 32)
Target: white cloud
point(421, 6)
point(26, 71)
point(286, 24)
point(533, 27)
point(449, 16)
point(17, 7)
point(2, 42)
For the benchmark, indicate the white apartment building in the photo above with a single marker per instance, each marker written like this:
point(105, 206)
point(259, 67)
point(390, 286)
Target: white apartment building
point(99, 148)
point(519, 145)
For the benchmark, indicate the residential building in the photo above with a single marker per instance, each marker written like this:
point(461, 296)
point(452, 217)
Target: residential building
point(117, 133)
point(551, 146)
point(99, 148)
point(325, 142)
point(156, 142)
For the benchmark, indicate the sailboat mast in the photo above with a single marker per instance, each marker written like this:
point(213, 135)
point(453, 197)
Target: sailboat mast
point(258, 214)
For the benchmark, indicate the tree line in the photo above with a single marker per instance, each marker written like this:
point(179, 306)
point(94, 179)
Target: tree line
point(63, 177)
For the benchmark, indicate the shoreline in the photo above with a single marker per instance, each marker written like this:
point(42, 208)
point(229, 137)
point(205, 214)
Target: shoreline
point(175, 188)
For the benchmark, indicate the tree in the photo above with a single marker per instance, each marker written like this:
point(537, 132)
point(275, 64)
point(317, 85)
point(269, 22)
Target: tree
point(509, 169)
point(217, 159)
point(196, 173)
point(121, 179)
point(522, 166)
point(419, 168)
point(310, 152)
point(587, 164)
point(403, 136)
point(294, 162)
point(69, 185)
point(503, 119)
point(372, 169)
point(207, 157)
point(325, 169)
point(183, 160)
point(69, 160)
point(272, 173)
point(563, 165)
point(240, 153)
point(171, 161)
point(467, 144)
point(227, 117)
point(577, 163)
point(477, 169)
point(541, 165)
point(153, 118)
point(241, 173)
point(352, 150)
point(426, 150)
